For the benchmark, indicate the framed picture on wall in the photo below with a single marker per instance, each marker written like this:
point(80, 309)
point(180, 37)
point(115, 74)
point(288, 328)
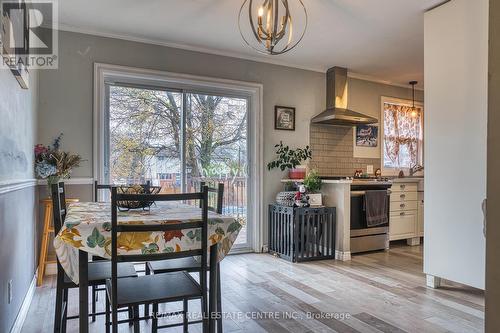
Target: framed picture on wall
point(366, 136)
point(284, 118)
point(14, 40)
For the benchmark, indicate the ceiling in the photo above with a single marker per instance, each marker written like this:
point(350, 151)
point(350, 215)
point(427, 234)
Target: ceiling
point(382, 39)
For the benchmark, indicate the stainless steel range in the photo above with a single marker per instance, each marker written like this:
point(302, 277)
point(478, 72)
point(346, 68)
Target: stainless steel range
point(363, 237)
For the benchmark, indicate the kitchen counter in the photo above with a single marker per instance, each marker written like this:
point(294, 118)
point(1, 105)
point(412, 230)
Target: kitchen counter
point(337, 193)
point(408, 180)
point(323, 181)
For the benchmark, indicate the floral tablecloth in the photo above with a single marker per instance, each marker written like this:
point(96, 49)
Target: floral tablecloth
point(88, 228)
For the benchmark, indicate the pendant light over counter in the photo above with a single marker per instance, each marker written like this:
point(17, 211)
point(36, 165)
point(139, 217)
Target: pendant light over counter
point(270, 26)
point(414, 112)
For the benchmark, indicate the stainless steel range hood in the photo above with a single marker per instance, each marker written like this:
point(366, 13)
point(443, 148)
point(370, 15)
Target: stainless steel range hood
point(336, 112)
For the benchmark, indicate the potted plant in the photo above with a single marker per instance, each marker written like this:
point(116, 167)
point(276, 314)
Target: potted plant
point(313, 184)
point(53, 164)
point(290, 159)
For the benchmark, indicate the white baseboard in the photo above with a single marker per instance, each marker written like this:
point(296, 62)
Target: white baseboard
point(343, 256)
point(23, 311)
point(432, 281)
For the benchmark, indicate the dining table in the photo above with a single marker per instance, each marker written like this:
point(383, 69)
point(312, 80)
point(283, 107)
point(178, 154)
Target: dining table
point(87, 231)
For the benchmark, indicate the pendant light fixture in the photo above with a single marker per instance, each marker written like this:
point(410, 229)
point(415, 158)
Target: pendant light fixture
point(268, 27)
point(414, 112)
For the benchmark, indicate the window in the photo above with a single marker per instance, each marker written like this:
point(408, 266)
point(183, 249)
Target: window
point(402, 139)
point(146, 142)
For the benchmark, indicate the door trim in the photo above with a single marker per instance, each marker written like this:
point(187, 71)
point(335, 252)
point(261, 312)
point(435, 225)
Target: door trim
point(107, 73)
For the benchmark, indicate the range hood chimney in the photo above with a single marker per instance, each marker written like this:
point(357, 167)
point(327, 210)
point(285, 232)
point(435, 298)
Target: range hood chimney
point(336, 112)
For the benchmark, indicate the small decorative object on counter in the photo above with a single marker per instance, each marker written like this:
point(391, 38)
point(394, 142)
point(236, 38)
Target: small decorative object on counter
point(290, 159)
point(378, 173)
point(52, 163)
point(401, 174)
point(301, 198)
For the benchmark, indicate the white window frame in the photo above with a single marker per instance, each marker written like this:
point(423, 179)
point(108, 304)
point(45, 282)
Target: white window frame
point(405, 102)
point(105, 73)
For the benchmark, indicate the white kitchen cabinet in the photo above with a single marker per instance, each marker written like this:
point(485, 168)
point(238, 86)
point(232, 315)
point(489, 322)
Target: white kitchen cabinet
point(402, 225)
point(420, 214)
point(404, 218)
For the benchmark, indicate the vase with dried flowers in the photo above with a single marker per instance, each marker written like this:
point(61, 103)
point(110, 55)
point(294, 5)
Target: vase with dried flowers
point(53, 164)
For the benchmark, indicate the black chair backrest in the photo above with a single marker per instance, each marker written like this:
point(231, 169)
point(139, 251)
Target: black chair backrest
point(108, 187)
point(120, 228)
point(219, 197)
point(58, 193)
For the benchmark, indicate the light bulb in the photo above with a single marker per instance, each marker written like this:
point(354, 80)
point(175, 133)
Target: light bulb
point(261, 11)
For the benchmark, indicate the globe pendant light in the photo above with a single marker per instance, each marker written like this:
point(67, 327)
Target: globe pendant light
point(270, 27)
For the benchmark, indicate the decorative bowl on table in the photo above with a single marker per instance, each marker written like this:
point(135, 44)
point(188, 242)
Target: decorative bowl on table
point(286, 198)
point(136, 189)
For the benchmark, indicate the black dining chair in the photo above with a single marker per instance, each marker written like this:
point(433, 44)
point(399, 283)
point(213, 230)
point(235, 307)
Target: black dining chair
point(158, 288)
point(190, 264)
point(98, 271)
point(97, 288)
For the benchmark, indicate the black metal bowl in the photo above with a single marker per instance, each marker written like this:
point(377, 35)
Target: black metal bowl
point(136, 189)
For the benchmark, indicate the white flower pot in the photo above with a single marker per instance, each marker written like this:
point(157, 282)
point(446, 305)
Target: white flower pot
point(315, 199)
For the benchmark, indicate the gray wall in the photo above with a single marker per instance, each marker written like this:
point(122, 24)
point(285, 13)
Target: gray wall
point(66, 94)
point(17, 208)
point(493, 178)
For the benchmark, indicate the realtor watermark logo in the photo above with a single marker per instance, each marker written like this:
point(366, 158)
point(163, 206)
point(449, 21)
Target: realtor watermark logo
point(29, 34)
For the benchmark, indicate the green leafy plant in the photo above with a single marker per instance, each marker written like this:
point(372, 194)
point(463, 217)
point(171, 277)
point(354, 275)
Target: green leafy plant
point(290, 186)
point(312, 181)
point(289, 158)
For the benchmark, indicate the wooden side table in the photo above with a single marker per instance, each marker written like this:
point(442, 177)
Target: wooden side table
point(48, 228)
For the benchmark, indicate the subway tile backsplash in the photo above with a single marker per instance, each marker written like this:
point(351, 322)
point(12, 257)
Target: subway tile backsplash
point(333, 149)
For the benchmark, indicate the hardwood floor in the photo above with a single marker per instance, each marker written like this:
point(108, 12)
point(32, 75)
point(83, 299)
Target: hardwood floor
point(375, 292)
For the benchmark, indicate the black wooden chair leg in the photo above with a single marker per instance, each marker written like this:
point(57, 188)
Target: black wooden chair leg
point(136, 319)
point(154, 328)
point(65, 310)
point(219, 302)
point(205, 315)
point(146, 306)
point(94, 301)
point(185, 324)
point(130, 315)
point(114, 319)
point(107, 314)
point(58, 310)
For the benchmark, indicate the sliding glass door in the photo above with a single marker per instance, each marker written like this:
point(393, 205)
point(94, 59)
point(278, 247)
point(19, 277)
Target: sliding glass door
point(178, 139)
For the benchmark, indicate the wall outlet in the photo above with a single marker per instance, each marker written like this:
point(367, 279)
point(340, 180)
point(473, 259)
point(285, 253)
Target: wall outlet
point(369, 169)
point(10, 291)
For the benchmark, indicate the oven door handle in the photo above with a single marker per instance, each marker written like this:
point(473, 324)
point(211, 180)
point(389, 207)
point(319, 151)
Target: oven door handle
point(361, 193)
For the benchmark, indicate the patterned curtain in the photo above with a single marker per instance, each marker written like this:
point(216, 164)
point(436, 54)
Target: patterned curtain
point(402, 126)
